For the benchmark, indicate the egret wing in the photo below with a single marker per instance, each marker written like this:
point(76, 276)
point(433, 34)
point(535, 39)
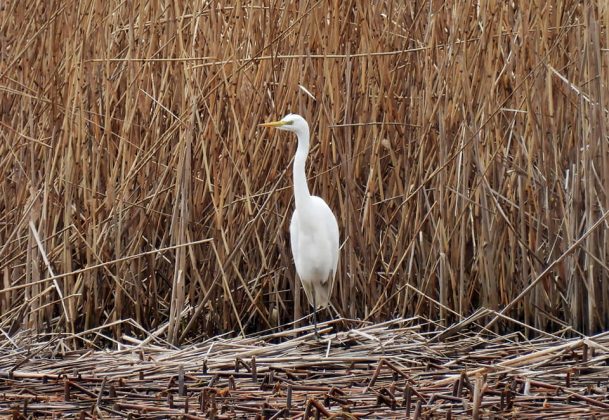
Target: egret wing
point(294, 235)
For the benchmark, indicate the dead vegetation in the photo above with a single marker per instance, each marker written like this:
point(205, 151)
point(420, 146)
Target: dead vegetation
point(404, 368)
point(462, 146)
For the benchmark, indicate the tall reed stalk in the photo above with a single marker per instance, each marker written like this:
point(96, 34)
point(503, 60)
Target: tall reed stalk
point(463, 146)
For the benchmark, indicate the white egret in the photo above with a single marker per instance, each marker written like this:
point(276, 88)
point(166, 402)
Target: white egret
point(313, 229)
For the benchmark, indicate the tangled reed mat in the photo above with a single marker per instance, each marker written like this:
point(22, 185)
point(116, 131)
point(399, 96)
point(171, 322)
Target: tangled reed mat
point(401, 368)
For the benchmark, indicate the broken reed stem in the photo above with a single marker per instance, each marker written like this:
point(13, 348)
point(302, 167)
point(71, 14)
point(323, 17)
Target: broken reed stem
point(477, 400)
point(512, 374)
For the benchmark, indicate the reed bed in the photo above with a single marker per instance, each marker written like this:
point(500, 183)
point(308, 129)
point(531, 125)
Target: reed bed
point(463, 146)
point(404, 368)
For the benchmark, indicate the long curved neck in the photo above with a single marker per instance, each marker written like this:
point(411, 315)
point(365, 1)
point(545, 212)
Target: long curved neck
point(301, 189)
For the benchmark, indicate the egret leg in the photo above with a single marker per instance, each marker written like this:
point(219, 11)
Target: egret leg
point(315, 316)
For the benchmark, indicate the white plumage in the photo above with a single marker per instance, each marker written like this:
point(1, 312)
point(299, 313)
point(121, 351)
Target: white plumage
point(314, 235)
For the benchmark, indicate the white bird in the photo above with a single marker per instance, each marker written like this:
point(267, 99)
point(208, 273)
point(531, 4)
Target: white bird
point(313, 230)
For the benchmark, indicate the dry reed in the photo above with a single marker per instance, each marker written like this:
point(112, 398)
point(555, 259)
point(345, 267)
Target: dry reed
point(462, 145)
point(396, 369)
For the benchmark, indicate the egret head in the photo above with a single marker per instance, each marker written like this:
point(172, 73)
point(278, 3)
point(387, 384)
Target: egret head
point(291, 122)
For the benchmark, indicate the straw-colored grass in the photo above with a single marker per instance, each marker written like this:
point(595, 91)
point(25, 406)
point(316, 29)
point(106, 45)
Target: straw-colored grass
point(462, 145)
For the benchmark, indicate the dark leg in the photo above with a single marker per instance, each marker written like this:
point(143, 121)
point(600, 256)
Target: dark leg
point(315, 315)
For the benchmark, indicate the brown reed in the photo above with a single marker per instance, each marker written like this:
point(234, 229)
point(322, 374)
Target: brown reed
point(383, 370)
point(462, 145)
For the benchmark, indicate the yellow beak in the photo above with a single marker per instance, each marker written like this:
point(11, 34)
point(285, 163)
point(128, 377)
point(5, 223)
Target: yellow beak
point(274, 124)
